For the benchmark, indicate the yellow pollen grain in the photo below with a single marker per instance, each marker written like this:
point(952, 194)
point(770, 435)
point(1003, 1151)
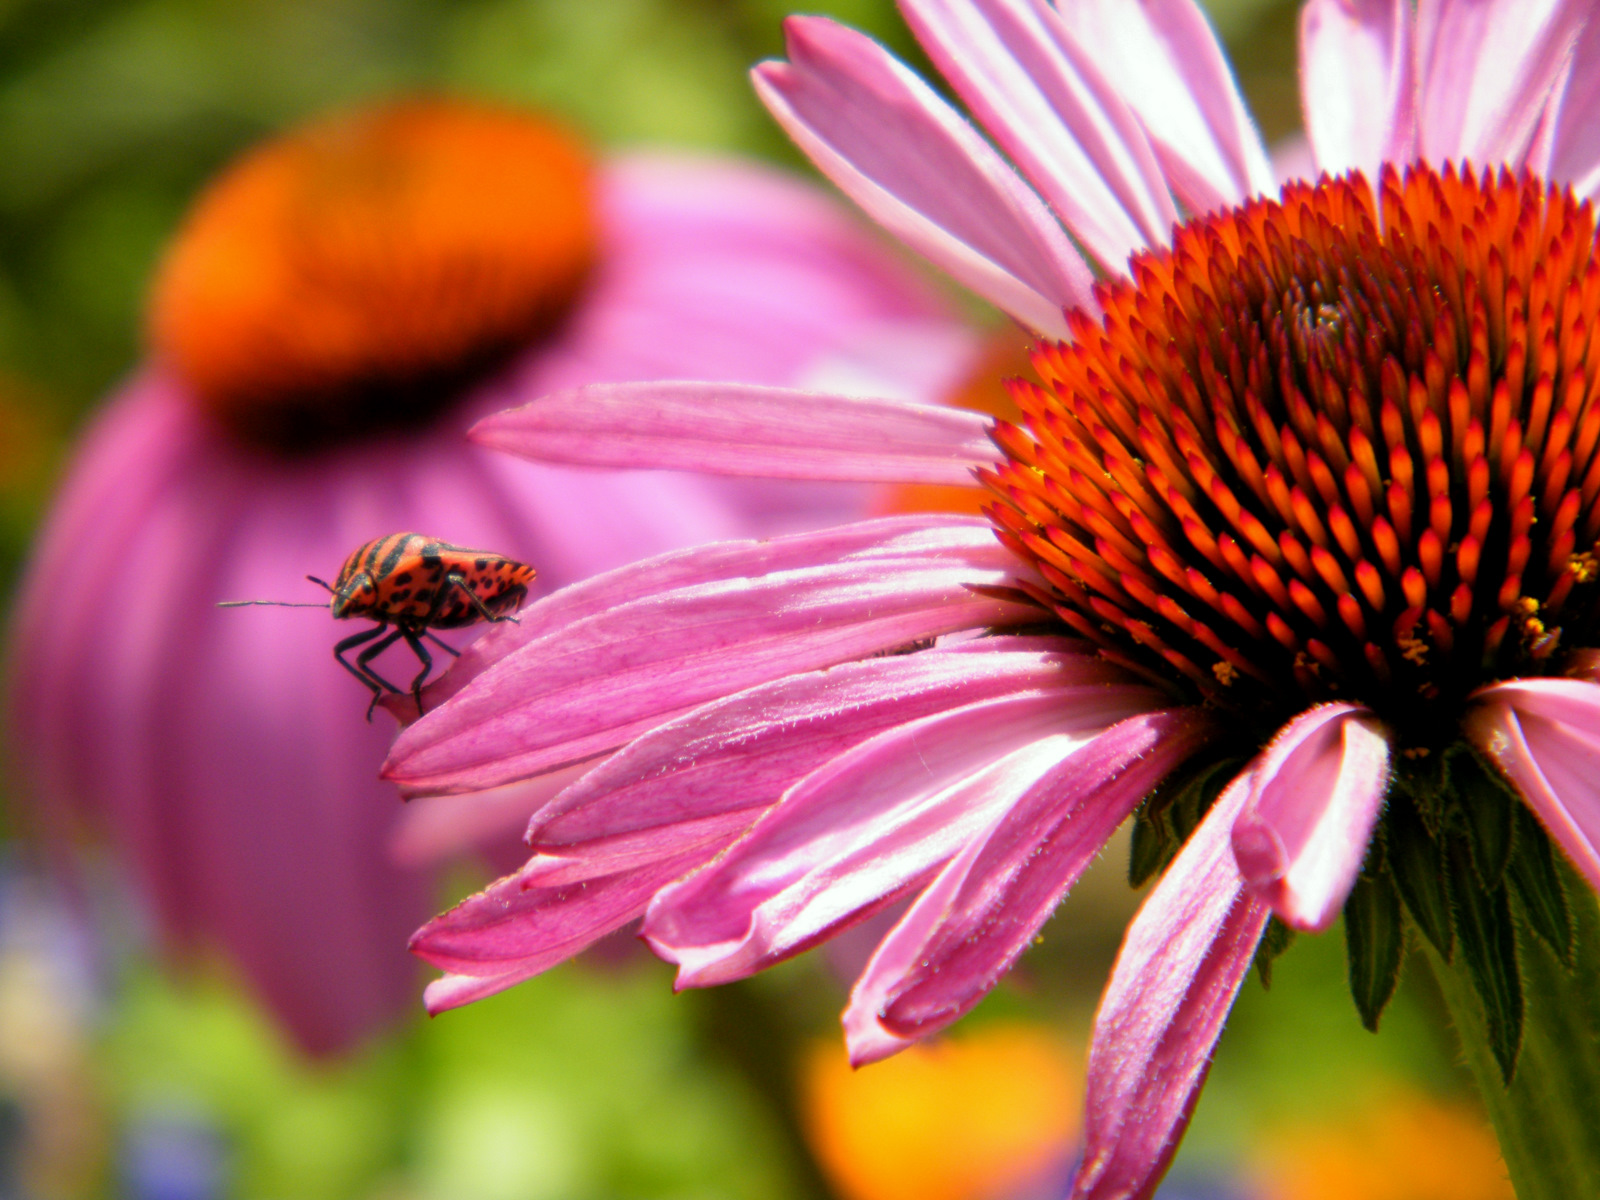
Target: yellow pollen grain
point(1583, 567)
point(1225, 672)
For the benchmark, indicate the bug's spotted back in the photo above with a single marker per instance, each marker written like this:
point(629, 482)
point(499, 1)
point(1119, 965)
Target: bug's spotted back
point(412, 580)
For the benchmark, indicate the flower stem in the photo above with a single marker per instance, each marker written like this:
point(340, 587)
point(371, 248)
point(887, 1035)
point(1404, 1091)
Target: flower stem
point(1546, 1118)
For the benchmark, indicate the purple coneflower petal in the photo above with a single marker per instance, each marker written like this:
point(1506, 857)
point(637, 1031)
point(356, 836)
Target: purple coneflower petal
point(913, 163)
point(1545, 735)
point(1317, 791)
point(1486, 69)
point(739, 755)
point(593, 685)
point(1358, 83)
point(1182, 961)
point(985, 907)
point(1164, 59)
point(1044, 100)
point(735, 429)
point(1575, 118)
point(861, 829)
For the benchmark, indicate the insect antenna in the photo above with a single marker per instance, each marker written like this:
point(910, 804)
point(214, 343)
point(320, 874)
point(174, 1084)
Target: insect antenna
point(281, 603)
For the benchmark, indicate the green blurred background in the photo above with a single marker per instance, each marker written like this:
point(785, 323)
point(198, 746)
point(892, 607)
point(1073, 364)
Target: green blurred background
point(593, 1081)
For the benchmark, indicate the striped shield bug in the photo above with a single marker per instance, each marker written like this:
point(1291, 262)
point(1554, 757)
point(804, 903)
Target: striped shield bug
point(414, 584)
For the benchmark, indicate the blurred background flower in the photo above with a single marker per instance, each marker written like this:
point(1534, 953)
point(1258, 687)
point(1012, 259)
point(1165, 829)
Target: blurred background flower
point(119, 1079)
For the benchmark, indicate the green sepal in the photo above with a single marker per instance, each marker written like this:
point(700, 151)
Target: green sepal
point(1277, 939)
point(1485, 808)
point(1417, 867)
point(1540, 893)
point(1374, 938)
point(1488, 941)
point(1170, 813)
point(1153, 845)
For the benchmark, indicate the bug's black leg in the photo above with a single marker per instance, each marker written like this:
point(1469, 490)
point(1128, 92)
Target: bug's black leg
point(441, 643)
point(426, 659)
point(350, 643)
point(364, 661)
point(472, 599)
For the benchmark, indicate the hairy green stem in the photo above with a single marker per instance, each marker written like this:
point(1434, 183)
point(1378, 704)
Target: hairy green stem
point(1548, 1118)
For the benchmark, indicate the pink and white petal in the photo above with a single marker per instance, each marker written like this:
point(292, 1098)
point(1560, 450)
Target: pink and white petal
point(1485, 71)
point(744, 752)
point(1358, 83)
point(985, 907)
point(1545, 735)
point(1574, 118)
point(872, 822)
point(916, 166)
point(1180, 967)
point(741, 429)
point(1165, 60)
point(1056, 115)
point(608, 679)
point(513, 931)
point(888, 537)
point(1318, 789)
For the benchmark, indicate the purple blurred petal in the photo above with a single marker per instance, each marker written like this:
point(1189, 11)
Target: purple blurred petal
point(1358, 83)
point(1318, 788)
point(1165, 60)
point(734, 429)
point(871, 823)
point(606, 679)
point(1575, 150)
point(1044, 100)
point(1182, 961)
point(1545, 736)
point(976, 918)
point(885, 137)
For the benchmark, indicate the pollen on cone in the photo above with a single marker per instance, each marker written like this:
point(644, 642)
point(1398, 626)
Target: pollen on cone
point(961, 1119)
point(348, 274)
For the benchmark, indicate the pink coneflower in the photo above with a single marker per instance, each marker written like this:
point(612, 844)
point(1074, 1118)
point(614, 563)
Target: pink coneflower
point(339, 306)
point(1293, 544)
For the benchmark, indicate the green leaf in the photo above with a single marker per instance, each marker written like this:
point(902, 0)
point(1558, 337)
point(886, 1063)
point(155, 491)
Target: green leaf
point(1277, 938)
point(1374, 937)
point(1488, 941)
point(1537, 885)
point(1486, 809)
point(1152, 847)
point(1418, 872)
point(1194, 798)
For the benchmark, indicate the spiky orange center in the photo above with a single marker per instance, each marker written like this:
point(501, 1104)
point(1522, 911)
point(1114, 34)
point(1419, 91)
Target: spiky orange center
point(1334, 445)
point(351, 274)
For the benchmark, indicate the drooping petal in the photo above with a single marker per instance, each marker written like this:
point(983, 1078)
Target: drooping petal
point(1575, 119)
point(986, 905)
point(734, 429)
point(741, 754)
point(1165, 60)
point(1545, 735)
point(1182, 961)
point(510, 932)
point(1055, 114)
point(861, 829)
point(1318, 789)
point(915, 165)
point(598, 683)
point(1485, 69)
point(1358, 83)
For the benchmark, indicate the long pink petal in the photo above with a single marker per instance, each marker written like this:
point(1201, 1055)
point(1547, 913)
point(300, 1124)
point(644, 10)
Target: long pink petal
point(1182, 961)
point(915, 165)
point(1545, 735)
point(738, 429)
point(1165, 60)
point(976, 918)
point(512, 932)
point(862, 541)
point(742, 753)
point(1486, 69)
point(1055, 114)
point(1575, 117)
point(871, 823)
point(1318, 789)
point(1358, 83)
point(605, 680)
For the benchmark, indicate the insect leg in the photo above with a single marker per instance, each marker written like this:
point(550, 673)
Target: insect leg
point(472, 599)
point(441, 643)
point(426, 659)
point(364, 661)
